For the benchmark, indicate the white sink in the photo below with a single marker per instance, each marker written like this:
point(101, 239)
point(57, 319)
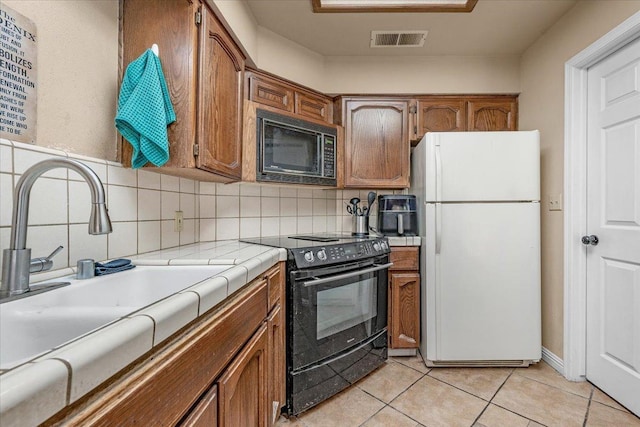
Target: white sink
point(35, 324)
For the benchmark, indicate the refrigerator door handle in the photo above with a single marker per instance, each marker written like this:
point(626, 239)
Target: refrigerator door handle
point(438, 197)
point(438, 227)
point(438, 173)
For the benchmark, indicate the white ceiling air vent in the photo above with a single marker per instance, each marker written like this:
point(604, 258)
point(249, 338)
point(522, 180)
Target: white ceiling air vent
point(398, 38)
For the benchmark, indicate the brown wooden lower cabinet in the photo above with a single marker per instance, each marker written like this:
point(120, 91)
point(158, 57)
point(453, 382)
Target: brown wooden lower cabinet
point(405, 310)
point(404, 298)
point(226, 369)
point(276, 375)
point(205, 414)
point(242, 387)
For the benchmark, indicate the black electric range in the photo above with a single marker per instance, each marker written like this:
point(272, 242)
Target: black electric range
point(336, 312)
point(323, 249)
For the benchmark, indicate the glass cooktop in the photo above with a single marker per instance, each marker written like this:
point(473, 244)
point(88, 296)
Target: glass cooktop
point(307, 240)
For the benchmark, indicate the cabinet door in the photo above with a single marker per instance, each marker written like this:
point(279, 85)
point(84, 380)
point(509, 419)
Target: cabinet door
point(314, 107)
point(242, 387)
point(205, 413)
point(171, 25)
point(277, 367)
point(220, 100)
point(270, 92)
point(492, 114)
point(405, 310)
point(376, 144)
point(275, 284)
point(440, 115)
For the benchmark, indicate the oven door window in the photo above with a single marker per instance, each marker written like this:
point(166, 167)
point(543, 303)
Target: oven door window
point(287, 149)
point(334, 316)
point(344, 307)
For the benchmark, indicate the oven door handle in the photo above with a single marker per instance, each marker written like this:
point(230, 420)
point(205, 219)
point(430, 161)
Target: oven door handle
point(376, 267)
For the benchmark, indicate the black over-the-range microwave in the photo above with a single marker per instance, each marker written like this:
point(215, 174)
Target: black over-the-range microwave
point(291, 150)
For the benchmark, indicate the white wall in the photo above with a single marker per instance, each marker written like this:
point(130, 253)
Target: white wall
point(392, 75)
point(433, 75)
point(288, 59)
point(77, 67)
point(236, 14)
point(542, 107)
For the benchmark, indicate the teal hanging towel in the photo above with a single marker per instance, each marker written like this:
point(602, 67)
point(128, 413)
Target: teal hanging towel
point(145, 111)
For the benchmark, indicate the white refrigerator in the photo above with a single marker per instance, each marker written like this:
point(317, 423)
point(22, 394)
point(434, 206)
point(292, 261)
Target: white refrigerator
point(478, 197)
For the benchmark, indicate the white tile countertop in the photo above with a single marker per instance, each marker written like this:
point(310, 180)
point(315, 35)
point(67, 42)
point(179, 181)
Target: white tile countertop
point(32, 392)
point(404, 241)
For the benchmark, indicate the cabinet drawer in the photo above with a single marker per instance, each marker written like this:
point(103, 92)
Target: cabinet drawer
point(405, 258)
point(269, 92)
point(314, 107)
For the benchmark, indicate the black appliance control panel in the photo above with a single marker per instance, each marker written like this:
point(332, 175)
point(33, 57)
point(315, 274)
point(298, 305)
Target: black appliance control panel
point(317, 256)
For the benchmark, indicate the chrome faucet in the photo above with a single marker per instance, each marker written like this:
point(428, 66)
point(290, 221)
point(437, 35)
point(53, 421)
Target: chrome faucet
point(16, 260)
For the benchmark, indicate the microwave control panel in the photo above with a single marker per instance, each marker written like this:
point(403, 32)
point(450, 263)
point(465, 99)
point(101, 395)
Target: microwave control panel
point(329, 156)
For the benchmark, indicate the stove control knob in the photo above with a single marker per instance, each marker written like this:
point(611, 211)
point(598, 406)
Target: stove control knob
point(322, 255)
point(384, 245)
point(308, 256)
point(376, 246)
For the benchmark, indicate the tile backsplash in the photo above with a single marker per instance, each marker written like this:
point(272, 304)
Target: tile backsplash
point(142, 206)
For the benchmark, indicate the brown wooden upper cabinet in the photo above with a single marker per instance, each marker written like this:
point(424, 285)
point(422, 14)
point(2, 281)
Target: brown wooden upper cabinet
point(440, 115)
point(492, 114)
point(267, 89)
point(376, 142)
point(204, 70)
point(463, 113)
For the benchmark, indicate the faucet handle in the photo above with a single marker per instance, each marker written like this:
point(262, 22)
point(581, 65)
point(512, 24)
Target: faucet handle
point(55, 252)
point(44, 264)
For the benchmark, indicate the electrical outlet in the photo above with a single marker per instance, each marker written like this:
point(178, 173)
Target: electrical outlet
point(178, 221)
point(555, 202)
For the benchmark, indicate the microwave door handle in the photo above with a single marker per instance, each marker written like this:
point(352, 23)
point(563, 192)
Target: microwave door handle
point(376, 267)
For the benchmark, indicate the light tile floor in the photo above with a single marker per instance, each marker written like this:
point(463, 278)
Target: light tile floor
point(404, 392)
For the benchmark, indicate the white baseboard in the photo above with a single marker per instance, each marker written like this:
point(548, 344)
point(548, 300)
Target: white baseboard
point(552, 360)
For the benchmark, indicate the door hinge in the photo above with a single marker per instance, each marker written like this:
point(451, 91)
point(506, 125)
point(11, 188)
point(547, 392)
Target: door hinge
point(198, 17)
point(415, 130)
point(196, 149)
point(413, 109)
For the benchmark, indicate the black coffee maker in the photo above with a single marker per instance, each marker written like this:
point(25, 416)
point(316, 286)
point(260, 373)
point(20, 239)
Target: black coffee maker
point(397, 215)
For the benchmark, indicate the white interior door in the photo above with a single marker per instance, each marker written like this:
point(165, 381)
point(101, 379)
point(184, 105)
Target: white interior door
point(613, 215)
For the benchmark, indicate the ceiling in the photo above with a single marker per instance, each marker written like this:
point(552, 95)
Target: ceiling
point(494, 27)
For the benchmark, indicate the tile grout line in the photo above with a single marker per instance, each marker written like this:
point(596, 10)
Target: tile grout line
point(520, 415)
point(490, 401)
point(553, 386)
point(69, 378)
point(457, 388)
point(502, 385)
point(398, 395)
point(513, 372)
point(586, 414)
point(624, 409)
